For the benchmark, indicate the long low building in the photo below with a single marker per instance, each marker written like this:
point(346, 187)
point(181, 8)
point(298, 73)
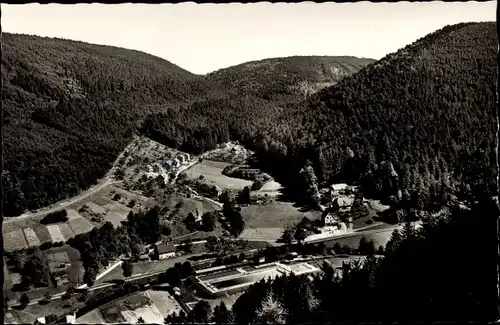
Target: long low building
point(239, 279)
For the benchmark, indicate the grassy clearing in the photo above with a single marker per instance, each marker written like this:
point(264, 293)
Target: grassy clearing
point(112, 314)
point(43, 234)
point(80, 225)
point(212, 173)
point(55, 233)
point(271, 188)
point(66, 231)
point(14, 240)
point(261, 233)
point(73, 214)
point(276, 215)
point(379, 239)
point(115, 218)
point(96, 208)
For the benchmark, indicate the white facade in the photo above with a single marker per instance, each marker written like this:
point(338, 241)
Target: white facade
point(329, 220)
point(166, 255)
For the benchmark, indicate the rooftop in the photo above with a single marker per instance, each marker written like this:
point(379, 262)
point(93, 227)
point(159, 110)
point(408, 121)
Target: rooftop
point(165, 248)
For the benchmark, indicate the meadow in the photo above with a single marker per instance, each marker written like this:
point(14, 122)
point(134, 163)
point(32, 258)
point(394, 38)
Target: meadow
point(212, 174)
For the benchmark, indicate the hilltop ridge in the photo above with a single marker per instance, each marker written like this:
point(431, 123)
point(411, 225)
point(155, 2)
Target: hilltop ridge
point(288, 78)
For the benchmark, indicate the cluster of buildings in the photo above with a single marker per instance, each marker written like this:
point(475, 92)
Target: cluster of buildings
point(178, 161)
point(336, 218)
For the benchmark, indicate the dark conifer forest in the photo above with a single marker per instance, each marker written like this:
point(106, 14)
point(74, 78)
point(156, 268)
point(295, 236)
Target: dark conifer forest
point(413, 128)
point(69, 108)
point(416, 130)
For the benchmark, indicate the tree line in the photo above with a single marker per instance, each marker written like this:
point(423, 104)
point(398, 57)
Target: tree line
point(421, 277)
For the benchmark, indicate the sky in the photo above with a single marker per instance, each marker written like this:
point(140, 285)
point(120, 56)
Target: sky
point(202, 38)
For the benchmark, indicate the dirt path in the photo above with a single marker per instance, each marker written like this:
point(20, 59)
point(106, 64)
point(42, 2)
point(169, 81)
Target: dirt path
point(64, 204)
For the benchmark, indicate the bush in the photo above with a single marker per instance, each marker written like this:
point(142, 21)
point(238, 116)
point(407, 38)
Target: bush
point(55, 217)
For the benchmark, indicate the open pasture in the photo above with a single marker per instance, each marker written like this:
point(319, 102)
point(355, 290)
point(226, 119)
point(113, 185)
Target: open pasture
point(212, 174)
point(379, 238)
point(271, 188)
point(261, 234)
point(73, 214)
point(80, 226)
point(115, 218)
point(275, 215)
point(96, 208)
point(66, 231)
point(55, 233)
point(42, 234)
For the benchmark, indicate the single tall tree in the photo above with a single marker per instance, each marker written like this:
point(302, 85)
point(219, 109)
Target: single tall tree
point(127, 268)
point(271, 311)
point(300, 234)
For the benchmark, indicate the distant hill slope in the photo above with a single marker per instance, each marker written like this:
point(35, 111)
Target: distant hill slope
point(418, 124)
point(70, 107)
point(428, 109)
point(290, 78)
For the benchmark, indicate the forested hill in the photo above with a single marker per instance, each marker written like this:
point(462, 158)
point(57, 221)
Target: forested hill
point(421, 120)
point(290, 78)
point(69, 108)
point(412, 128)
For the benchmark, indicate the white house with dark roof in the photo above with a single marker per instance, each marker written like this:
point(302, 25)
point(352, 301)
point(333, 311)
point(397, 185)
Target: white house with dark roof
point(165, 250)
point(329, 220)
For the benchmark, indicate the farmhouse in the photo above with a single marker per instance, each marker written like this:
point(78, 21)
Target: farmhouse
point(165, 250)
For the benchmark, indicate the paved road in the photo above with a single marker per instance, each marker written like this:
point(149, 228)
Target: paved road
point(353, 234)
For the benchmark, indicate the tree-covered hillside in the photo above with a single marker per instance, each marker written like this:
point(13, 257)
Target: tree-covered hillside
point(288, 79)
point(69, 108)
point(414, 127)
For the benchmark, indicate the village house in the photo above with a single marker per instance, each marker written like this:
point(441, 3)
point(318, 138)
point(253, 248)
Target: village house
point(164, 251)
